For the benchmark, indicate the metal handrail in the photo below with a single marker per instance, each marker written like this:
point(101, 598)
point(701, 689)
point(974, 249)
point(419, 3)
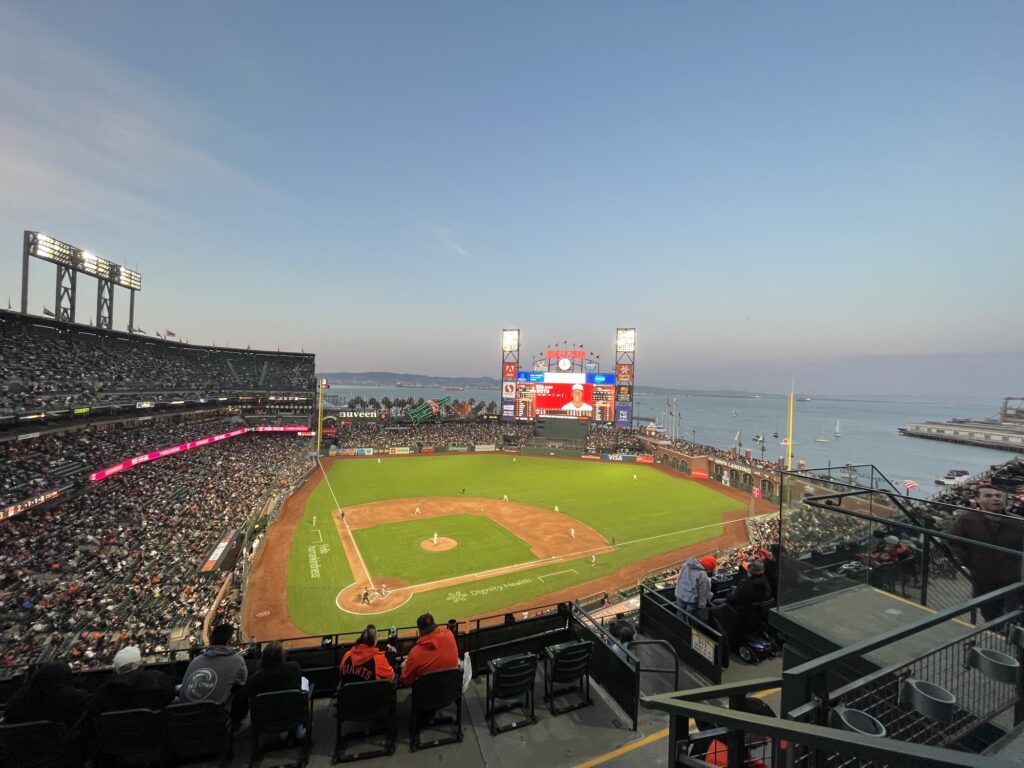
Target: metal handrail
point(820, 502)
point(666, 644)
point(870, 748)
point(829, 660)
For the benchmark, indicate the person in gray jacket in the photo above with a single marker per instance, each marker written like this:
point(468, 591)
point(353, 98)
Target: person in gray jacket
point(214, 674)
point(693, 588)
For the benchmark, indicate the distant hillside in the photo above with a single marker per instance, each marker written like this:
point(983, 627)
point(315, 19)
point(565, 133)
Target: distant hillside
point(390, 379)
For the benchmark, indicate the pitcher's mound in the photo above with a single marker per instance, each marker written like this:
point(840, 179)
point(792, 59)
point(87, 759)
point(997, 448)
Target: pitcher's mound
point(443, 544)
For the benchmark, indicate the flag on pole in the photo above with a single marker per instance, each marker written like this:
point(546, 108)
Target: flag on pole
point(170, 334)
point(910, 485)
point(48, 313)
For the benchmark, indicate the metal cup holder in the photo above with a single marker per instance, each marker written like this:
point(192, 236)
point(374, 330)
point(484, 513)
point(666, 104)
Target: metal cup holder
point(928, 699)
point(993, 664)
point(857, 721)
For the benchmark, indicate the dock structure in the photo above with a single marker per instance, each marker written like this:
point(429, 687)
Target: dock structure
point(1005, 432)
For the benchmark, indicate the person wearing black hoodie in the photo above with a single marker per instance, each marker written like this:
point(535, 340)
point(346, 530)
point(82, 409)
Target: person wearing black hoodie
point(133, 686)
point(49, 695)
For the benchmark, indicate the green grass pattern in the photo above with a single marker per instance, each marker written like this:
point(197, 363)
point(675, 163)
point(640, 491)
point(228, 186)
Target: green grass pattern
point(654, 514)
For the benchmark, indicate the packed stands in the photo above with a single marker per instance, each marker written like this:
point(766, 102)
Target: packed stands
point(54, 458)
point(50, 365)
point(121, 563)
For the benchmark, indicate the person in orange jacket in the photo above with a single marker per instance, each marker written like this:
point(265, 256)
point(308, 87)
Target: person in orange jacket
point(365, 661)
point(435, 649)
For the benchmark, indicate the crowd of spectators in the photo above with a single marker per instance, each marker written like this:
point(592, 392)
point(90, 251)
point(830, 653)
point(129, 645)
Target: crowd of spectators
point(45, 367)
point(53, 459)
point(702, 449)
point(382, 435)
point(120, 563)
point(603, 439)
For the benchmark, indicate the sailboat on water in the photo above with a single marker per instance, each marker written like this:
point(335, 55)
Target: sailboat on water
point(821, 438)
point(838, 432)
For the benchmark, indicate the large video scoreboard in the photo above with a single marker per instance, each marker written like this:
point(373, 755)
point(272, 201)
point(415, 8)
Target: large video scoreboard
point(566, 383)
point(589, 396)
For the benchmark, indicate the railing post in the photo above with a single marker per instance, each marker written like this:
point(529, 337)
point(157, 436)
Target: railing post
point(1018, 707)
point(926, 557)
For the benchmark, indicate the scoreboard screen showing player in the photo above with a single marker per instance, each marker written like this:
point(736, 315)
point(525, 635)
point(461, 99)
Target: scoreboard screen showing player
point(585, 396)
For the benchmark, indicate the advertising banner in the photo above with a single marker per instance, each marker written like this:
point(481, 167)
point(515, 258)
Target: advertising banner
point(400, 451)
point(218, 552)
point(644, 459)
point(428, 449)
point(624, 393)
point(700, 474)
point(359, 414)
point(508, 410)
point(285, 428)
point(458, 448)
point(27, 504)
point(364, 452)
point(485, 448)
point(508, 370)
point(508, 390)
point(623, 414)
point(103, 474)
point(624, 372)
point(591, 457)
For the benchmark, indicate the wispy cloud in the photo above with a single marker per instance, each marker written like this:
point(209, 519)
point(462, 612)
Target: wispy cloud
point(445, 237)
point(94, 137)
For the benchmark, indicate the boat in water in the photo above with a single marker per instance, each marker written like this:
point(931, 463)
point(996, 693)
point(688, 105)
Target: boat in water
point(954, 477)
point(837, 433)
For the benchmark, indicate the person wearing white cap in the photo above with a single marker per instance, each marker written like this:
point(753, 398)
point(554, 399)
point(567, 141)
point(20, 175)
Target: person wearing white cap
point(576, 406)
point(133, 686)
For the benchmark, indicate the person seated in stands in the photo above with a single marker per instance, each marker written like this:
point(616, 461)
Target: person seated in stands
point(365, 661)
point(752, 590)
point(622, 630)
point(133, 686)
point(48, 695)
point(435, 649)
point(771, 568)
point(693, 587)
point(217, 672)
point(890, 551)
point(275, 673)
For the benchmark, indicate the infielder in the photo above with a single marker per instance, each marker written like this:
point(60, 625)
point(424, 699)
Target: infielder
point(593, 559)
point(556, 507)
point(572, 534)
point(505, 497)
point(417, 511)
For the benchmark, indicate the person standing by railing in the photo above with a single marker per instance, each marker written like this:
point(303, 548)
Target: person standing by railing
point(989, 524)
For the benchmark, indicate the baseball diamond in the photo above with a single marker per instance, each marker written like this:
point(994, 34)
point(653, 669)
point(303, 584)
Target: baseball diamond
point(491, 555)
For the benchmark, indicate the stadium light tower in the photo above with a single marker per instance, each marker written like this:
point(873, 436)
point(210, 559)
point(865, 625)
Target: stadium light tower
point(70, 261)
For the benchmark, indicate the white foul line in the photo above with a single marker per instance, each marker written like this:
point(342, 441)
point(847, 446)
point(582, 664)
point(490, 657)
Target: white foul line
point(359, 554)
point(556, 573)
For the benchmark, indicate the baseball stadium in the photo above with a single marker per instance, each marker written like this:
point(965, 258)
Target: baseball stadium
point(171, 508)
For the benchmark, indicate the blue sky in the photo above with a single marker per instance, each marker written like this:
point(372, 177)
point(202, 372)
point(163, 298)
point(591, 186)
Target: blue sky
point(829, 189)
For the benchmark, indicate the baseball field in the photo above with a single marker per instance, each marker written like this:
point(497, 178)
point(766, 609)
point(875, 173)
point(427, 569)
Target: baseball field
point(385, 540)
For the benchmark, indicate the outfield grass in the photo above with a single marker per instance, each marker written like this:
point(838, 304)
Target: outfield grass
point(393, 549)
point(654, 514)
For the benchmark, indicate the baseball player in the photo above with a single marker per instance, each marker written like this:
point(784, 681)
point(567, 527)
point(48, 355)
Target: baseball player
point(378, 461)
point(417, 511)
point(435, 538)
point(383, 590)
point(365, 599)
point(634, 475)
point(572, 534)
point(556, 507)
point(593, 559)
point(505, 497)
